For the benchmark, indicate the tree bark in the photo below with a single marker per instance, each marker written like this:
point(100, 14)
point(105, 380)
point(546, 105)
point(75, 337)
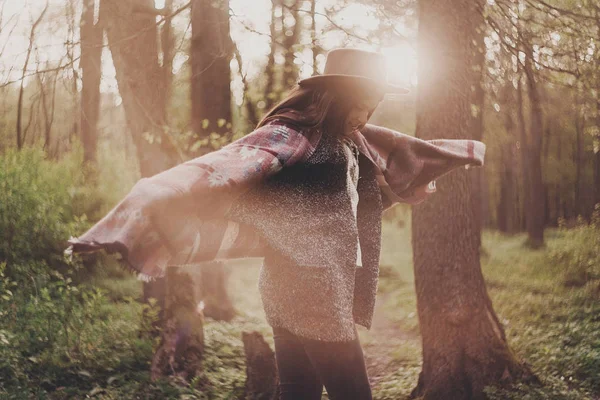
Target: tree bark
point(524, 147)
point(20, 136)
point(507, 211)
point(213, 291)
point(464, 345)
point(269, 93)
point(291, 35)
point(168, 52)
point(535, 211)
point(211, 53)
point(91, 72)
point(579, 208)
point(313, 37)
point(182, 342)
point(248, 104)
point(132, 38)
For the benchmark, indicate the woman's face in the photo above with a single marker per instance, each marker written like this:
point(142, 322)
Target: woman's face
point(360, 113)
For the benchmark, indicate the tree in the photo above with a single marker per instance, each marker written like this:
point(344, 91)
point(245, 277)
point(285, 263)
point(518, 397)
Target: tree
point(91, 57)
point(20, 138)
point(532, 148)
point(211, 52)
point(464, 345)
point(133, 40)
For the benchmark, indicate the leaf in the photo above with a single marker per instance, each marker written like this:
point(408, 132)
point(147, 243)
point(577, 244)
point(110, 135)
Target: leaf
point(96, 391)
point(85, 373)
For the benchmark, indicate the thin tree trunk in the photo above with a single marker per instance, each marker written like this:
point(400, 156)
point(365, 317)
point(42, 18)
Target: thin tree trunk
point(579, 152)
point(291, 37)
point(597, 154)
point(269, 94)
point(508, 204)
point(313, 37)
point(47, 109)
point(19, 128)
point(91, 72)
point(535, 226)
point(524, 155)
point(168, 52)
point(464, 345)
point(248, 104)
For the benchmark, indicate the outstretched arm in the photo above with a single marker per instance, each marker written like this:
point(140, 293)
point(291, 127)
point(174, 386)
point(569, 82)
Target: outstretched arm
point(179, 215)
point(409, 166)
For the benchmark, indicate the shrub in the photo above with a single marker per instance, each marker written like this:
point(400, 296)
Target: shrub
point(578, 255)
point(38, 209)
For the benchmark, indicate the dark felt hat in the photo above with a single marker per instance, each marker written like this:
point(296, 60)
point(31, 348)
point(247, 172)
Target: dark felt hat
point(354, 66)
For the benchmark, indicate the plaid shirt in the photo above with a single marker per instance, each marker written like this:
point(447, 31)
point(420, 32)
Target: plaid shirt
point(179, 216)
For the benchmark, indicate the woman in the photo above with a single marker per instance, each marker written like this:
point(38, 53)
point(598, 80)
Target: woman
point(305, 190)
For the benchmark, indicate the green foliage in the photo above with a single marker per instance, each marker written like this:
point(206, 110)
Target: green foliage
point(38, 201)
point(62, 337)
point(577, 258)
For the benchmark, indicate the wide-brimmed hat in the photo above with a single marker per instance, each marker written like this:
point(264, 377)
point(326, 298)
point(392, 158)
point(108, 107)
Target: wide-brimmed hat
point(349, 67)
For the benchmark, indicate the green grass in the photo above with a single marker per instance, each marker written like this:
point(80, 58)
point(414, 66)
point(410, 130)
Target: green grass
point(553, 326)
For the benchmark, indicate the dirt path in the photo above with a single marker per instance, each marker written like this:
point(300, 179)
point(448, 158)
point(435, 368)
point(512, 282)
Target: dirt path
point(384, 337)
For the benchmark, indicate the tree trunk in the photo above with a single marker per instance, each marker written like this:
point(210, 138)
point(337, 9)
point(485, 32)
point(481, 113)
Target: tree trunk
point(213, 291)
point(133, 42)
point(313, 37)
point(91, 72)
point(168, 52)
point(19, 129)
point(579, 208)
point(182, 342)
point(597, 151)
point(291, 34)
point(269, 93)
point(525, 175)
point(507, 222)
point(507, 210)
point(535, 211)
point(251, 114)
point(464, 345)
point(211, 53)
point(261, 369)
point(477, 66)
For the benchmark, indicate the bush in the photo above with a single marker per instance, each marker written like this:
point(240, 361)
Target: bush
point(578, 255)
point(39, 207)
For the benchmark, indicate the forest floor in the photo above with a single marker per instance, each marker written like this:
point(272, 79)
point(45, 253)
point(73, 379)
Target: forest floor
point(552, 325)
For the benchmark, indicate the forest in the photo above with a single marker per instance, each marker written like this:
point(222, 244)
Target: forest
point(490, 289)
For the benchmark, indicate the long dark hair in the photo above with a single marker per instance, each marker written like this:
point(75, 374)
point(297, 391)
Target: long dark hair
point(324, 108)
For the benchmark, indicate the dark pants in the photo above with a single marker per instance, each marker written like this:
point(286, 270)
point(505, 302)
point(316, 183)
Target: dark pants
point(305, 365)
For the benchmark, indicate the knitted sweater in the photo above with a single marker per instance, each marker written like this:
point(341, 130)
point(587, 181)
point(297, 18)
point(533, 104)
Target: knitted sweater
point(309, 281)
